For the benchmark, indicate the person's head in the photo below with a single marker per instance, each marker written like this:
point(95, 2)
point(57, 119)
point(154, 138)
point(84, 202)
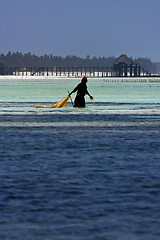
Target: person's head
point(84, 79)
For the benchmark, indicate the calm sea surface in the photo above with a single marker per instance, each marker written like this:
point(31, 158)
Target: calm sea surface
point(79, 174)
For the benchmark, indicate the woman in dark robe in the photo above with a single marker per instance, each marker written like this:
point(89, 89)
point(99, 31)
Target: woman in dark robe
point(81, 90)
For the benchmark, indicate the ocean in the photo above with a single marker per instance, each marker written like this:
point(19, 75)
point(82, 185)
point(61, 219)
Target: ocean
point(79, 173)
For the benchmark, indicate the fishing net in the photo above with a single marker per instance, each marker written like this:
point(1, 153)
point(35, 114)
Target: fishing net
point(59, 104)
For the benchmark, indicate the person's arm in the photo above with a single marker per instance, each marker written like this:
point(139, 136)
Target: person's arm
point(74, 90)
point(91, 97)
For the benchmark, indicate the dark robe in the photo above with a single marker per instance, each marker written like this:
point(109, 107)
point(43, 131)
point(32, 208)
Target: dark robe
point(81, 92)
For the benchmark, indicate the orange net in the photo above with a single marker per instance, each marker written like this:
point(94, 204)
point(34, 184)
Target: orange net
point(59, 104)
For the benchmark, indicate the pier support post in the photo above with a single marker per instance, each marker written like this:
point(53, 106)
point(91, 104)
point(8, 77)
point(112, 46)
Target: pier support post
point(130, 70)
point(135, 71)
point(139, 71)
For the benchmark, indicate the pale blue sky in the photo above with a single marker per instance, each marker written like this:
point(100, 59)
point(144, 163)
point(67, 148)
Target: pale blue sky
point(81, 27)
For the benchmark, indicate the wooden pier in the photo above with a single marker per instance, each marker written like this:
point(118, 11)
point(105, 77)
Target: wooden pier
point(77, 72)
point(122, 67)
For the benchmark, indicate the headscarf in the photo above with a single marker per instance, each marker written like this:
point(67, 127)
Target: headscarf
point(84, 79)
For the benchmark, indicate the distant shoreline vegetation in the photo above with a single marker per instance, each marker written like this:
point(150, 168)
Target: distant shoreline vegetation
point(19, 59)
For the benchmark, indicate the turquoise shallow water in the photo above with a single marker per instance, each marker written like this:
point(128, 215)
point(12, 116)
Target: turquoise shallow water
point(21, 94)
point(72, 173)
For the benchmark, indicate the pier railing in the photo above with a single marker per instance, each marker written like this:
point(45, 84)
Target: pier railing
point(94, 72)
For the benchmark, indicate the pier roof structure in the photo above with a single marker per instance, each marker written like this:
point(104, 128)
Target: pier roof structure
point(123, 59)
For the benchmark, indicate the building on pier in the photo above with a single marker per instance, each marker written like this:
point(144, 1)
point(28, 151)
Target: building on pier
point(124, 66)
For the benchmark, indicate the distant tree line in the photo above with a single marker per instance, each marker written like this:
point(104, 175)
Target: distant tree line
point(18, 59)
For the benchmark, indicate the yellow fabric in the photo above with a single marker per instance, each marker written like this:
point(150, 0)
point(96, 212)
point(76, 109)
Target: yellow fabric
point(59, 104)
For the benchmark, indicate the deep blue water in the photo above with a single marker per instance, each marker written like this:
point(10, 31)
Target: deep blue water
point(75, 174)
point(80, 182)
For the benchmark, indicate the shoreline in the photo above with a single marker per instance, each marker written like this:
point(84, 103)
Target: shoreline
point(147, 79)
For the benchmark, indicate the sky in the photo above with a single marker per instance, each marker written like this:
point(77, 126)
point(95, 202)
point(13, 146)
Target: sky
point(100, 28)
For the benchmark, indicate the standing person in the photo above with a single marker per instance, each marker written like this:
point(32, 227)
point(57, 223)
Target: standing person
point(81, 92)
